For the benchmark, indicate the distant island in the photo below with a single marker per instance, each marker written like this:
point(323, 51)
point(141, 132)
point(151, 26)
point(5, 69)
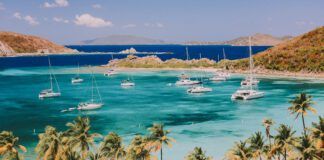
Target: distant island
point(257, 40)
point(16, 44)
point(121, 40)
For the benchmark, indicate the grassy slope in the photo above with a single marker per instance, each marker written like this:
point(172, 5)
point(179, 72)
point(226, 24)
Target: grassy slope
point(304, 53)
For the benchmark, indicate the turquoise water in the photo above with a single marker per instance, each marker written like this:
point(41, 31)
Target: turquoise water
point(210, 120)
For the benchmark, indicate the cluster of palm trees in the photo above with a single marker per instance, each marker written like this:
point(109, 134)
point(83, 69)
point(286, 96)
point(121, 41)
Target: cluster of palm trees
point(285, 144)
point(78, 142)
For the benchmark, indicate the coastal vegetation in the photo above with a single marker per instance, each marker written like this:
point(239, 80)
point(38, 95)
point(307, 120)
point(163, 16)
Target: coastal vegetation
point(303, 54)
point(79, 142)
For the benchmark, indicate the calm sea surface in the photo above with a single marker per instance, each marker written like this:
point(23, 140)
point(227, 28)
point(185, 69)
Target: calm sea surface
point(210, 120)
point(89, 54)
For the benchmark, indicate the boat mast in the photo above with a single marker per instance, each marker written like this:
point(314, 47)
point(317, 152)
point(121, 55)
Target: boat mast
point(92, 86)
point(187, 53)
point(224, 56)
point(50, 73)
point(251, 65)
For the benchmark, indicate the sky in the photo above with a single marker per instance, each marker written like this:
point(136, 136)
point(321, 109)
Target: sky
point(69, 21)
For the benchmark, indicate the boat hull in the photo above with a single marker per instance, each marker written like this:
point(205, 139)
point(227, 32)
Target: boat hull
point(89, 106)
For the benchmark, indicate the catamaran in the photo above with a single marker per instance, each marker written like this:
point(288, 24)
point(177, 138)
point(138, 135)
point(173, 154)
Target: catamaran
point(110, 72)
point(92, 104)
point(248, 91)
point(185, 79)
point(77, 78)
point(127, 83)
point(49, 93)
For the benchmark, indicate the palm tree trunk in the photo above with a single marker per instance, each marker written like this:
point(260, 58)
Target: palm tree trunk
point(304, 124)
point(285, 154)
point(269, 141)
point(161, 152)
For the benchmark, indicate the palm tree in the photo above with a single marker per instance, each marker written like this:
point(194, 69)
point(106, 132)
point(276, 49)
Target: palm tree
point(285, 139)
point(138, 149)
point(112, 147)
point(49, 144)
point(300, 105)
point(197, 154)
point(80, 137)
point(317, 135)
point(267, 123)
point(9, 146)
point(307, 149)
point(158, 137)
point(240, 151)
point(257, 145)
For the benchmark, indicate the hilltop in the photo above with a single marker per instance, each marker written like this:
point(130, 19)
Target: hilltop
point(16, 44)
point(121, 40)
point(304, 53)
point(258, 39)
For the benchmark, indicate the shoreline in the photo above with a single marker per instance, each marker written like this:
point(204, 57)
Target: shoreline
point(258, 74)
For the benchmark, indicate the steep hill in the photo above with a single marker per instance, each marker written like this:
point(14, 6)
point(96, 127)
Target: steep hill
point(304, 53)
point(121, 40)
point(15, 44)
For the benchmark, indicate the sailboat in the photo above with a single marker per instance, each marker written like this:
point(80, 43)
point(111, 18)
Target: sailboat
point(248, 91)
point(221, 75)
point(77, 79)
point(127, 83)
point(200, 88)
point(92, 104)
point(185, 79)
point(49, 93)
point(110, 72)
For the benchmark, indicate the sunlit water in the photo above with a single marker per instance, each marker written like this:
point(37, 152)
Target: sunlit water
point(212, 120)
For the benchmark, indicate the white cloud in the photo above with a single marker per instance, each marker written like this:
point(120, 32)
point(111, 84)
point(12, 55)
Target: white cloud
point(29, 19)
point(58, 19)
point(96, 6)
point(2, 6)
point(56, 3)
point(90, 21)
point(157, 25)
point(129, 26)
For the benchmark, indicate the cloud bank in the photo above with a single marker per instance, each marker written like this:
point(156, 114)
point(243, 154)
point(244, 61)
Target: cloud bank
point(56, 3)
point(29, 19)
point(88, 20)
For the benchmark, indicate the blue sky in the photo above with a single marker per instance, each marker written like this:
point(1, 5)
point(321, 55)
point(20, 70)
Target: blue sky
point(68, 21)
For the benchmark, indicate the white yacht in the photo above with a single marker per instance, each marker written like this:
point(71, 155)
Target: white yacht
point(248, 91)
point(249, 81)
point(110, 72)
point(92, 104)
point(218, 77)
point(49, 93)
point(127, 83)
point(199, 89)
point(77, 78)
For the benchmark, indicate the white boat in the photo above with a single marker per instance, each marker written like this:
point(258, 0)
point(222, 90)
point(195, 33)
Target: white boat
point(249, 90)
point(77, 79)
point(185, 82)
point(217, 78)
point(92, 104)
point(250, 81)
point(110, 72)
point(247, 94)
point(199, 89)
point(127, 83)
point(50, 93)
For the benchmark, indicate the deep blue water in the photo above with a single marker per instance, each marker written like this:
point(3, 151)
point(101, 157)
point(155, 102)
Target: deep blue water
point(90, 55)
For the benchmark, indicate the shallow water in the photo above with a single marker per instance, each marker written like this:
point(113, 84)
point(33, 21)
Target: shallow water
point(209, 120)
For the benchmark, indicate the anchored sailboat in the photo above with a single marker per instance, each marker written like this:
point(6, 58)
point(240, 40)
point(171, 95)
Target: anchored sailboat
point(248, 91)
point(77, 78)
point(185, 79)
point(221, 75)
point(200, 88)
point(49, 93)
point(92, 104)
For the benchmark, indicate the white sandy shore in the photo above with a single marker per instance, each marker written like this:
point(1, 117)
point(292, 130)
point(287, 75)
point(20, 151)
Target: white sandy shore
point(259, 73)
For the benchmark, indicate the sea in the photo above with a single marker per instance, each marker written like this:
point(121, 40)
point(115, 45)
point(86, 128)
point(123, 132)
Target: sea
point(102, 54)
point(211, 120)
